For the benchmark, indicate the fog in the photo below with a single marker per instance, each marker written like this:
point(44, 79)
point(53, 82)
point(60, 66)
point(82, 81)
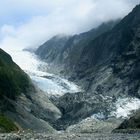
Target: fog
point(27, 24)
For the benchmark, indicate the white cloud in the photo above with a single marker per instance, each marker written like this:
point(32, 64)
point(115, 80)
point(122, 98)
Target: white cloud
point(33, 21)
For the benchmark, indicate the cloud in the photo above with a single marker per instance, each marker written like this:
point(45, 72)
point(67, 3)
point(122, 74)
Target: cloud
point(28, 23)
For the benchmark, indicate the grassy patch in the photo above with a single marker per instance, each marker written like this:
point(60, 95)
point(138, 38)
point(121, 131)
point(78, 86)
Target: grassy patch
point(13, 80)
point(7, 125)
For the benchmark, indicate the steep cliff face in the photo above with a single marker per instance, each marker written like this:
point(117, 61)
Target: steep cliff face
point(111, 61)
point(64, 52)
point(22, 106)
point(50, 50)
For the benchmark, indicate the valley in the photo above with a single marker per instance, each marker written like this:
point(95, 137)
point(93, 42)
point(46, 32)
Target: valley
point(82, 86)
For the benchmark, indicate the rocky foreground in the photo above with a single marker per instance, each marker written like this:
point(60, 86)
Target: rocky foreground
point(70, 136)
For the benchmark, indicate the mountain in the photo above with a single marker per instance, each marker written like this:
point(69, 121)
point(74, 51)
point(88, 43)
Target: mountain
point(105, 62)
point(22, 105)
point(63, 51)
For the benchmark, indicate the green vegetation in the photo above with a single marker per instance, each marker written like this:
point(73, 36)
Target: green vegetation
point(13, 80)
point(7, 125)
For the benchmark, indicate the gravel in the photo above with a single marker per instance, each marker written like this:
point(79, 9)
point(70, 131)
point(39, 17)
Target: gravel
point(69, 136)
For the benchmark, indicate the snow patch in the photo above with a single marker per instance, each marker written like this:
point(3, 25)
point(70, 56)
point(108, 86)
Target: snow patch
point(125, 106)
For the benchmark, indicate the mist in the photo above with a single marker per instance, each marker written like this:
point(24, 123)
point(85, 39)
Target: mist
point(27, 24)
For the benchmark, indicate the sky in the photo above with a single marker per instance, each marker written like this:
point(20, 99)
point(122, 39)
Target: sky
point(29, 23)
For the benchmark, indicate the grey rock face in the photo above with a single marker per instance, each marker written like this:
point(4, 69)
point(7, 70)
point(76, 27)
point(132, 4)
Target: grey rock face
point(33, 111)
point(51, 49)
point(64, 52)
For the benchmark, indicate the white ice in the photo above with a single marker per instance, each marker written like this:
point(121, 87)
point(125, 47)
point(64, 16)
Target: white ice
point(125, 106)
point(54, 85)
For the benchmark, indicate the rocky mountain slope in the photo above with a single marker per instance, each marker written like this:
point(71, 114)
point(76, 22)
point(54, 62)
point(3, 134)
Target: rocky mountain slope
point(22, 106)
point(63, 51)
point(105, 63)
